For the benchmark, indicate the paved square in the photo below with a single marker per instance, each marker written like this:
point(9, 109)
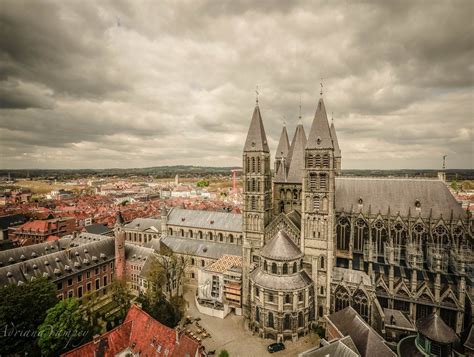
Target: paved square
point(230, 334)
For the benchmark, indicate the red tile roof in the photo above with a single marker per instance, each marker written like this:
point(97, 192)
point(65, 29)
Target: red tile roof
point(141, 334)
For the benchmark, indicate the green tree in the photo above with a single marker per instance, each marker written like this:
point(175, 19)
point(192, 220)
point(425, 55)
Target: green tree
point(63, 328)
point(121, 295)
point(22, 309)
point(454, 186)
point(223, 353)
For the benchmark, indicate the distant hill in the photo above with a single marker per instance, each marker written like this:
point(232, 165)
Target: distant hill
point(199, 171)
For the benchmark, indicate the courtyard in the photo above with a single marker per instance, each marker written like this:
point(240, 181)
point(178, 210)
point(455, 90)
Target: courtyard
point(230, 334)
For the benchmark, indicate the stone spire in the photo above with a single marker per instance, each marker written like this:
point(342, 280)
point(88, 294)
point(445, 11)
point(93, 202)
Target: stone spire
point(256, 138)
point(283, 145)
point(296, 156)
point(320, 134)
point(337, 150)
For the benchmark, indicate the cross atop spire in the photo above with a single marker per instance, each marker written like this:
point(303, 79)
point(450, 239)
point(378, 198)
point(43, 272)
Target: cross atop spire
point(300, 106)
point(321, 84)
point(256, 97)
point(332, 117)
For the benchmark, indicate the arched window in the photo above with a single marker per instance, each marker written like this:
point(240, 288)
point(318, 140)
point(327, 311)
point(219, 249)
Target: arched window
point(265, 265)
point(399, 236)
point(301, 264)
point(181, 232)
point(270, 320)
point(200, 235)
point(270, 297)
point(321, 264)
point(295, 194)
point(257, 314)
point(440, 236)
point(295, 267)
point(248, 165)
point(313, 177)
point(360, 303)
point(254, 202)
point(285, 268)
point(323, 181)
point(210, 236)
point(287, 322)
point(341, 298)
point(318, 160)
point(253, 164)
point(274, 268)
point(326, 160)
point(190, 233)
point(258, 165)
point(231, 238)
point(300, 319)
point(170, 231)
point(287, 299)
point(221, 237)
point(316, 203)
point(343, 231)
point(361, 235)
point(379, 234)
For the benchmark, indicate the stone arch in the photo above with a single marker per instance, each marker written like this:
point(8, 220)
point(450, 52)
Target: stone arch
point(360, 303)
point(342, 298)
point(343, 233)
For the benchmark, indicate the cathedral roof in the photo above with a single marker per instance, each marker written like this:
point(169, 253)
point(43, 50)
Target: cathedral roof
point(281, 247)
point(320, 134)
point(296, 156)
point(337, 150)
point(280, 282)
point(398, 194)
point(283, 145)
point(433, 327)
point(256, 138)
point(224, 221)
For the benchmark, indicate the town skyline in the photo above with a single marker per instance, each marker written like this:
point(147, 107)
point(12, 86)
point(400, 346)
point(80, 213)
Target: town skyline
point(122, 85)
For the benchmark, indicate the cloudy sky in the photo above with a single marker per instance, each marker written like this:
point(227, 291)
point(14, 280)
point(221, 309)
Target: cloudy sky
point(96, 84)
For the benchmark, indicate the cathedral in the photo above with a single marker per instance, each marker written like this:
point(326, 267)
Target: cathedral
point(315, 242)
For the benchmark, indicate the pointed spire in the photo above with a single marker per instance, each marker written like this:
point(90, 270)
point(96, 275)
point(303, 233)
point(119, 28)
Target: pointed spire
point(320, 134)
point(283, 145)
point(296, 156)
point(256, 138)
point(337, 150)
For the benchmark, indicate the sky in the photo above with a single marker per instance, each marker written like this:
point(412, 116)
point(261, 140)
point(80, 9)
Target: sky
point(101, 84)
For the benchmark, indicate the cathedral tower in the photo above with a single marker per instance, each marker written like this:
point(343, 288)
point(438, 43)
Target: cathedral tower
point(318, 209)
point(257, 196)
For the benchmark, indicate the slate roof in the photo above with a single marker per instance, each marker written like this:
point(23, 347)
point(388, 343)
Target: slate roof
point(320, 130)
point(335, 142)
point(224, 221)
point(201, 248)
point(11, 220)
point(338, 348)
point(60, 264)
point(143, 224)
point(139, 334)
point(280, 282)
point(256, 138)
point(283, 145)
point(399, 319)
point(97, 228)
point(469, 343)
point(281, 247)
point(351, 276)
point(296, 156)
point(367, 341)
point(400, 194)
point(434, 328)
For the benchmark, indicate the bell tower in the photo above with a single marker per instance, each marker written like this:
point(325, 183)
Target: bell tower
point(318, 208)
point(257, 197)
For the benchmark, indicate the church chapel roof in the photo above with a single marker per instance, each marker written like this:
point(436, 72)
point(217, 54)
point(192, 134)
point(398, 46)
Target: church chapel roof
point(296, 156)
point(400, 194)
point(280, 282)
point(281, 247)
point(433, 327)
point(256, 138)
point(320, 134)
point(200, 248)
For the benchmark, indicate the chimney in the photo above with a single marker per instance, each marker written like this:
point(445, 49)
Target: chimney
point(96, 339)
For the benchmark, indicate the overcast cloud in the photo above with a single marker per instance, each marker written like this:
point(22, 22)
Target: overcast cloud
point(101, 84)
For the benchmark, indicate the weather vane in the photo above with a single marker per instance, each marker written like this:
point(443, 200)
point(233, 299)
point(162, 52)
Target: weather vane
point(256, 91)
point(321, 83)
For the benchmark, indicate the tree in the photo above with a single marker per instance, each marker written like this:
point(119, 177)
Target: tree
point(63, 328)
point(22, 309)
point(454, 186)
point(121, 296)
point(223, 353)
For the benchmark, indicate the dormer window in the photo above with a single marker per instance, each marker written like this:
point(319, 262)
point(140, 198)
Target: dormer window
point(418, 204)
point(360, 201)
point(318, 141)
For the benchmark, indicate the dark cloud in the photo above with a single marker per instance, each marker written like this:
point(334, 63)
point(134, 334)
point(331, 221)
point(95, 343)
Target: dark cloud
point(127, 84)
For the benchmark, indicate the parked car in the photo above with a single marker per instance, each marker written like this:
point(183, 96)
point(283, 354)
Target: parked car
point(275, 347)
